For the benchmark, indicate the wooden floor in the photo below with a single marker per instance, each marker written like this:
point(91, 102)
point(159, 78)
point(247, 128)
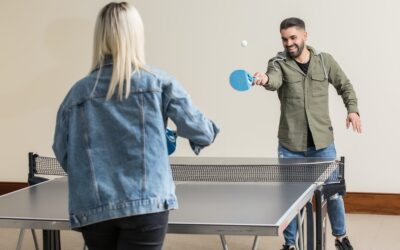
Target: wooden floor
point(367, 232)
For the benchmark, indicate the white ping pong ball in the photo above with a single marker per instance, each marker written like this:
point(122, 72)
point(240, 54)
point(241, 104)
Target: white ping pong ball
point(244, 43)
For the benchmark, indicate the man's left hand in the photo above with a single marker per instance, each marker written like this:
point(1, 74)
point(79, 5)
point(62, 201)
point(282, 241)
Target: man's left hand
point(355, 121)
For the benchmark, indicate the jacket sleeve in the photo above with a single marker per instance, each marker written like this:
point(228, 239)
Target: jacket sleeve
point(60, 143)
point(274, 74)
point(190, 122)
point(342, 84)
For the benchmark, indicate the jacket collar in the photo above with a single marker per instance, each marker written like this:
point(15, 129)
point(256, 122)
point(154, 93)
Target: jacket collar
point(108, 60)
point(283, 55)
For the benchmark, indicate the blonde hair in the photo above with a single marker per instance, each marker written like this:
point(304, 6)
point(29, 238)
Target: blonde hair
point(119, 33)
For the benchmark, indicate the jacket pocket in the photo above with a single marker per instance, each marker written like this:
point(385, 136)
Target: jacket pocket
point(292, 86)
point(319, 85)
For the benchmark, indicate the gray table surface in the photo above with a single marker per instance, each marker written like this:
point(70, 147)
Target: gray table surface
point(208, 208)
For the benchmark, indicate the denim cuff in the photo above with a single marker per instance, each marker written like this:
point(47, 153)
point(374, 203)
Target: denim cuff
point(339, 235)
point(197, 147)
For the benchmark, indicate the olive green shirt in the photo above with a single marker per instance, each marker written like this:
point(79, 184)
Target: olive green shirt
point(304, 98)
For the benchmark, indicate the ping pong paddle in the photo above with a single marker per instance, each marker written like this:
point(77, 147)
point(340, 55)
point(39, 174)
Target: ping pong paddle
point(241, 80)
point(171, 140)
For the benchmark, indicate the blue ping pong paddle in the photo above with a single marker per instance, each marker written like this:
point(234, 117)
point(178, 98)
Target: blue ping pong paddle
point(241, 80)
point(171, 140)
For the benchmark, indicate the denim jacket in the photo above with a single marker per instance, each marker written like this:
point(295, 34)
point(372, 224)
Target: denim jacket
point(115, 151)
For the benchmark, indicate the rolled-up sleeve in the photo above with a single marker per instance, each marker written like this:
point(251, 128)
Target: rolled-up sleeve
point(190, 122)
point(274, 74)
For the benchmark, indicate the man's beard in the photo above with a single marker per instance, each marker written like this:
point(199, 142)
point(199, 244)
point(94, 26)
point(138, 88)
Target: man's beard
point(295, 54)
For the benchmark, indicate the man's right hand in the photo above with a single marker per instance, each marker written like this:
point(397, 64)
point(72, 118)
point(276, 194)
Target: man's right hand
point(261, 79)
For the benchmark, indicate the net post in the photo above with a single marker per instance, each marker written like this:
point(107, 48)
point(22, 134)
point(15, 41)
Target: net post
point(342, 192)
point(342, 163)
point(32, 165)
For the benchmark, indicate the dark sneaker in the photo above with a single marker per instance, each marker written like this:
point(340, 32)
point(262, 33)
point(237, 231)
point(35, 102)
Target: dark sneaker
point(286, 247)
point(344, 244)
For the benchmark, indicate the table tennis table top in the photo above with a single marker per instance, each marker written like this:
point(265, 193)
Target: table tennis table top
point(243, 208)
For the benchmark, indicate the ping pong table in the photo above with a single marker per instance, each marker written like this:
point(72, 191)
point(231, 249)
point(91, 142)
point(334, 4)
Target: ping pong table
point(222, 196)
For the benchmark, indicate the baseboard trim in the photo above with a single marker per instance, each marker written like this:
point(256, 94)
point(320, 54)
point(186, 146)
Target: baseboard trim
point(355, 202)
point(7, 187)
point(372, 203)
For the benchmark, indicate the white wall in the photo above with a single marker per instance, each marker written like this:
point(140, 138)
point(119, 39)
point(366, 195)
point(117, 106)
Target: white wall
point(46, 47)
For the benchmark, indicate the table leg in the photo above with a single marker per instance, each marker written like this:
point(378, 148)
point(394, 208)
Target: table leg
point(35, 239)
point(225, 244)
point(51, 240)
point(300, 227)
point(310, 226)
point(320, 217)
point(255, 243)
point(20, 239)
point(223, 241)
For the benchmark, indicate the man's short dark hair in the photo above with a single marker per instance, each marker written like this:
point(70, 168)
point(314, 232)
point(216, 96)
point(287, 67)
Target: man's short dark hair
point(292, 22)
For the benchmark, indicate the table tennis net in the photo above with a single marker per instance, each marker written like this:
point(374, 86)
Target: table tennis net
point(328, 172)
point(332, 171)
point(43, 165)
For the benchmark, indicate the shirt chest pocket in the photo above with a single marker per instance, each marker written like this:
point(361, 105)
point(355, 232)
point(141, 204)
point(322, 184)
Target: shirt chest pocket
point(293, 86)
point(319, 85)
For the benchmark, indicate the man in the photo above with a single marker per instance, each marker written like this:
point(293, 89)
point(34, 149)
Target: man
point(301, 76)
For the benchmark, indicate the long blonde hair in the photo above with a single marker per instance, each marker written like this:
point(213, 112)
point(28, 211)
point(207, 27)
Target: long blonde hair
point(119, 33)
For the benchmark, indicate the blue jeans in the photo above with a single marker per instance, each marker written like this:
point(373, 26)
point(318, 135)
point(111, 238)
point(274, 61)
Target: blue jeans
point(336, 211)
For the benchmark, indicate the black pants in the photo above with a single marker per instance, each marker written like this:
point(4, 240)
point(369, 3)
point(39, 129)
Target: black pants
point(141, 232)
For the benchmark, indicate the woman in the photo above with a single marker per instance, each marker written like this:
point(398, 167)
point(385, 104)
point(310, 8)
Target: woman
point(110, 139)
